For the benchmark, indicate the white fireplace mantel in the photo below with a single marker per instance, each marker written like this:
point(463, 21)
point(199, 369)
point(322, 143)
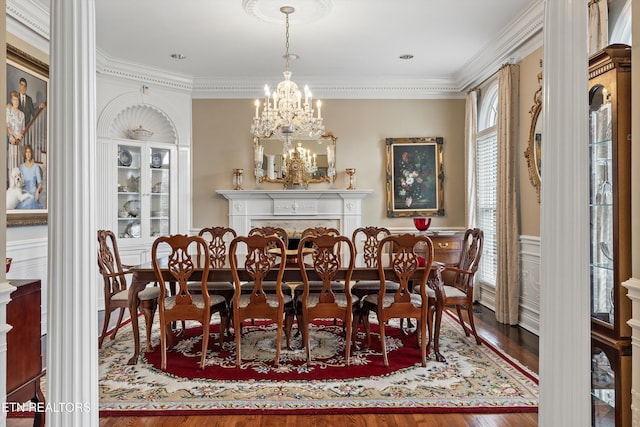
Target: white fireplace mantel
point(339, 208)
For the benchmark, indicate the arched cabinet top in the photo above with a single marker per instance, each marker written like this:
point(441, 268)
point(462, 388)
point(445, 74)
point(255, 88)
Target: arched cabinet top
point(121, 115)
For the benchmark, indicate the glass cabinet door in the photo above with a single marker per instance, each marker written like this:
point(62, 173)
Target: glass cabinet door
point(129, 204)
point(601, 206)
point(159, 182)
point(603, 391)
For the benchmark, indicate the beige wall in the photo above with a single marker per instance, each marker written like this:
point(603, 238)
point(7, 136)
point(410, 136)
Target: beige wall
point(529, 206)
point(221, 142)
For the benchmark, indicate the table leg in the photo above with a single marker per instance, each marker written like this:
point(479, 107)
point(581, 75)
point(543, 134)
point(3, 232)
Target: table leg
point(136, 286)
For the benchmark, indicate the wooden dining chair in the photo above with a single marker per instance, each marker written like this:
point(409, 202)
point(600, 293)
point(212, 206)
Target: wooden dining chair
point(366, 240)
point(269, 286)
point(330, 301)
point(258, 304)
point(403, 303)
point(218, 239)
point(181, 263)
point(456, 286)
point(116, 293)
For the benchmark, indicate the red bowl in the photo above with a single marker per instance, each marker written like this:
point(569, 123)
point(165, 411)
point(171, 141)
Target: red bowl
point(422, 224)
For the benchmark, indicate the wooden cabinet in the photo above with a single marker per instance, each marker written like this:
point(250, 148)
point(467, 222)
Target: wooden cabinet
point(447, 247)
point(610, 233)
point(24, 358)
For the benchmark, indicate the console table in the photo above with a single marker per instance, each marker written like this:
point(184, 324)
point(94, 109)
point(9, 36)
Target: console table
point(24, 356)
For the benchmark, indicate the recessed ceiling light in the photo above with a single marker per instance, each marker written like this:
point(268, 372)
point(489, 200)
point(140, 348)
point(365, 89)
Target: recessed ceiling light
point(178, 56)
point(406, 56)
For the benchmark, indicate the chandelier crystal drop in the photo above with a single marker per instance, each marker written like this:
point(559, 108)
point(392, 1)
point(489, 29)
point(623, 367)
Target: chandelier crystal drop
point(287, 113)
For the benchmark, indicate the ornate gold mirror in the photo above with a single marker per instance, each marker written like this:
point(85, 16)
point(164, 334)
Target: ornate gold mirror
point(533, 151)
point(307, 161)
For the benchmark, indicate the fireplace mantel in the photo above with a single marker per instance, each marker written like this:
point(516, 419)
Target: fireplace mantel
point(250, 208)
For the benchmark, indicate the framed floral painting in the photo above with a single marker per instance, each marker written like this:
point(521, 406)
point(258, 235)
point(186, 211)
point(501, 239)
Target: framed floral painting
point(415, 177)
point(26, 139)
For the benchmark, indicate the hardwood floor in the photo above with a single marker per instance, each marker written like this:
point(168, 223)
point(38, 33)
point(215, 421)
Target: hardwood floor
point(517, 342)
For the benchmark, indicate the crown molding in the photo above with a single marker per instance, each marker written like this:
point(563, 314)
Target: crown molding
point(29, 21)
point(113, 67)
point(389, 89)
point(520, 38)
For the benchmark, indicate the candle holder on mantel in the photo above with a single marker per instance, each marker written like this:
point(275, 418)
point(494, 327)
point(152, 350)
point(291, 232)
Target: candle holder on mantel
point(237, 179)
point(351, 174)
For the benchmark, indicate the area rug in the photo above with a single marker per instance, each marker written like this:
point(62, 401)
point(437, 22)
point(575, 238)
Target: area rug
point(475, 378)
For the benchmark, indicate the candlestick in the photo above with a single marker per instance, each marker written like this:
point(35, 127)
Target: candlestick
point(257, 107)
point(351, 172)
point(319, 104)
point(237, 179)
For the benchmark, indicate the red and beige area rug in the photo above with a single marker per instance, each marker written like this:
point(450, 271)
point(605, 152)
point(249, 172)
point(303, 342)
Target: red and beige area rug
point(475, 378)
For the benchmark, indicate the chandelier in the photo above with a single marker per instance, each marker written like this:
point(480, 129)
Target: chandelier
point(287, 113)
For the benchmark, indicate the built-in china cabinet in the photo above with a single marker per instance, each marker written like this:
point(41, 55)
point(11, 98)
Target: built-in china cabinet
point(138, 165)
point(610, 234)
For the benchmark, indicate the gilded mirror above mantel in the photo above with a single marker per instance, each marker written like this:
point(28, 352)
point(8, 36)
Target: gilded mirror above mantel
point(308, 161)
point(534, 148)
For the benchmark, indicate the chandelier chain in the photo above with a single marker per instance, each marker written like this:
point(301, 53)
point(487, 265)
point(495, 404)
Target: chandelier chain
point(286, 55)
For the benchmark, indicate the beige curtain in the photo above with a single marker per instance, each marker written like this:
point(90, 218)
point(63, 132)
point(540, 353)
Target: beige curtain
point(470, 134)
point(598, 25)
point(507, 281)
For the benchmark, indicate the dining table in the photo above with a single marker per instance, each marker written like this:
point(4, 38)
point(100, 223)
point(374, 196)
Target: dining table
point(144, 274)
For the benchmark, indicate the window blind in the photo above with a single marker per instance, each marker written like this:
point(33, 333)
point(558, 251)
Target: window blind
point(487, 182)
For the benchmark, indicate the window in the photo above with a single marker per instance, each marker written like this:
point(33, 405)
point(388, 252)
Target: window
point(487, 181)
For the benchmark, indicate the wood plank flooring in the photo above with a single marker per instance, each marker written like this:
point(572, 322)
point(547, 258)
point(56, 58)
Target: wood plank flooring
point(514, 340)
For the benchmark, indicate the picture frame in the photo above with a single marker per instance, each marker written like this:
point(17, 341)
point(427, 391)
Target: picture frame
point(415, 177)
point(29, 210)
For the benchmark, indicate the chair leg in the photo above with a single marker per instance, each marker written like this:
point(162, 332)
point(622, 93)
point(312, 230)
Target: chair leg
point(473, 326)
point(422, 326)
point(436, 336)
point(236, 326)
point(461, 320)
point(224, 326)
point(164, 330)
point(357, 317)
point(115, 330)
point(367, 327)
point(288, 324)
point(107, 317)
point(279, 327)
point(347, 338)
point(205, 342)
point(383, 343)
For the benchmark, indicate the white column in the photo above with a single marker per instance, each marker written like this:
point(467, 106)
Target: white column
point(633, 284)
point(72, 353)
point(5, 291)
point(634, 293)
point(564, 223)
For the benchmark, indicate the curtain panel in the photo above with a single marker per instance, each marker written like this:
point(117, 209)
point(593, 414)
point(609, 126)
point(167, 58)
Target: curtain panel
point(507, 281)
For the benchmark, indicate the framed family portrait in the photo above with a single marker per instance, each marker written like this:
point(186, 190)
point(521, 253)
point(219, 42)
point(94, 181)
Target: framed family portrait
point(27, 139)
point(414, 177)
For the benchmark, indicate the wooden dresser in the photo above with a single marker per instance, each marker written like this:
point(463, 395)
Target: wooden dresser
point(447, 248)
point(24, 348)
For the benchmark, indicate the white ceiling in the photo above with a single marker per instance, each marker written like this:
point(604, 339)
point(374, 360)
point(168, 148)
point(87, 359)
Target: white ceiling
point(355, 47)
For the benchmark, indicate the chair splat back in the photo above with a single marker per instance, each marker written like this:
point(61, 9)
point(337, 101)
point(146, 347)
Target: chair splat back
point(371, 237)
point(218, 239)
